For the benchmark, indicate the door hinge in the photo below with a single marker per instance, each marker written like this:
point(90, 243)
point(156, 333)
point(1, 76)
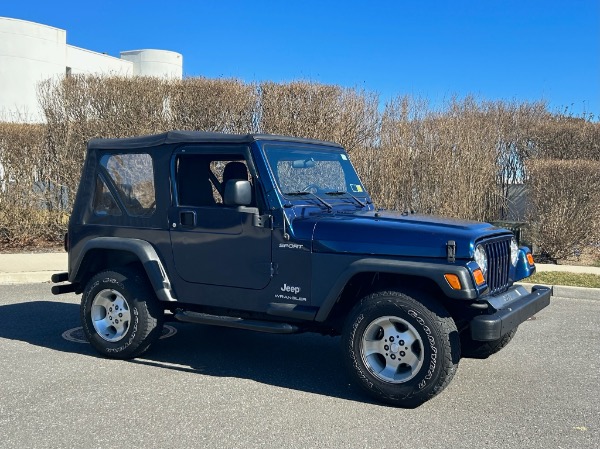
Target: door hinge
point(263, 221)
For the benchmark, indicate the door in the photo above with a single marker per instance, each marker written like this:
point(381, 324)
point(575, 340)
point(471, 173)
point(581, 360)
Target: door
point(214, 243)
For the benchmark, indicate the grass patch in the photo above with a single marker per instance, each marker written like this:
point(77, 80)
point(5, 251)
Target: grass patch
point(564, 278)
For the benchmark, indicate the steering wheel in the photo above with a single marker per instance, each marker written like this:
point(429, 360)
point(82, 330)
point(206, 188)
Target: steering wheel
point(312, 188)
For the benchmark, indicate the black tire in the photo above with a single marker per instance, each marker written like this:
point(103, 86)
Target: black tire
point(120, 314)
point(424, 368)
point(483, 349)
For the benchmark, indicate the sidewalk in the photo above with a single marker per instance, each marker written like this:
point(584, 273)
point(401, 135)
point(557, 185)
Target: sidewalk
point(567, 268)
point(568, 291)
point(29, 268)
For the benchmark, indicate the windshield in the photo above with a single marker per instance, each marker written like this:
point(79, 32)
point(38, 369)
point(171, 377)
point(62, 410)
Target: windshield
point(304, 169)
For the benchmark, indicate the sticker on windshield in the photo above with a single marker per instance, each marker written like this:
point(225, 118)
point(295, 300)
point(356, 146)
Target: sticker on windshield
point(356, 188)
point(344, 157)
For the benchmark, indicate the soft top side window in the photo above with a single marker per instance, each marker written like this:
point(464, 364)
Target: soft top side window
point(104, 202)
point(132, 175)
point(201, 178)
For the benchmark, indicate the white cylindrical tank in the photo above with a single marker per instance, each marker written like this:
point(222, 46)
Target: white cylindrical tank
point(159, 63)
point(29, 53)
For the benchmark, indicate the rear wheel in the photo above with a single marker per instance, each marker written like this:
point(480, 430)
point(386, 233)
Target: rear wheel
point(120, 314)
point(400, 350)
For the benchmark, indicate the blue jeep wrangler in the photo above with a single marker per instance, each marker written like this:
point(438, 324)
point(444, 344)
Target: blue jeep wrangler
point(278, 234)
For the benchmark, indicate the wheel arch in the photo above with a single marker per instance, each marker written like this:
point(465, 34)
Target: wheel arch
point(367, 275)
point(110, 252)
point(365, 283)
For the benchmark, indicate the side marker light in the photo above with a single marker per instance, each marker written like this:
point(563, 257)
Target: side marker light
point(453, 281)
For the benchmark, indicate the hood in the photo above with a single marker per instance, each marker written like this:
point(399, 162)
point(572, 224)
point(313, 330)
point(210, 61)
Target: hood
point(392, 234)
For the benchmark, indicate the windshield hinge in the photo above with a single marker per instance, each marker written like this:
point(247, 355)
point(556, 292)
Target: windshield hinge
point(286, 236)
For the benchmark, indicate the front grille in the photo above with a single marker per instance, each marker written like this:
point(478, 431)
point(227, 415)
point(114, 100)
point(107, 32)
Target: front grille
point(498, 254)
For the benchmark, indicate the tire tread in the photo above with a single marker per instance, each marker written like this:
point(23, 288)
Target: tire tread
point(149, 311)
point(435, 313)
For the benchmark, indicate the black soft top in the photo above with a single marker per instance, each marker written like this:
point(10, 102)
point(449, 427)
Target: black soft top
point(174, 137)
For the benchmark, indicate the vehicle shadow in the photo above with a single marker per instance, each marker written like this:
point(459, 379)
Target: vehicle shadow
point(42, 323)
point(303, 362)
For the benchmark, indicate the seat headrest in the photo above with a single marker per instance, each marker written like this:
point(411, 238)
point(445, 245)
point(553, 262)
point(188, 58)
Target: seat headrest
point(235, 170)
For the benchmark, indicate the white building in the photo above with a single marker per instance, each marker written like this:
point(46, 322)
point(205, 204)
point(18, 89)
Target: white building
point(31, 52)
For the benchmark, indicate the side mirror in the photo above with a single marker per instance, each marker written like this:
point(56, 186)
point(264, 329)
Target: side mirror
point(238, 193)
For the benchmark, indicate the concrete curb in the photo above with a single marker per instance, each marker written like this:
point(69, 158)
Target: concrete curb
point(29, 268)
point(27, 277)
point(565, 291)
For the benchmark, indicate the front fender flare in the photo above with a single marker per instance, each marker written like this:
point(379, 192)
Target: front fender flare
point(433, 271)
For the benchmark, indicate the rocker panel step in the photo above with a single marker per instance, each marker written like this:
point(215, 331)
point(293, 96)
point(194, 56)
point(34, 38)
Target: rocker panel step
point(236, 322)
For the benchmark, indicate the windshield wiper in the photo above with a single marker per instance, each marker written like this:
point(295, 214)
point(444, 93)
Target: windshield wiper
point(318, 198)
point(341, 192)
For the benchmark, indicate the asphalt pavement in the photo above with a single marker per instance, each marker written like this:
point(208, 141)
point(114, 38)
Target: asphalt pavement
point(216, 387)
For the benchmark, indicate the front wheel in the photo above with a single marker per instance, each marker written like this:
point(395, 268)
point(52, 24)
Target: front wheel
point(402, 351)
point(120, 314)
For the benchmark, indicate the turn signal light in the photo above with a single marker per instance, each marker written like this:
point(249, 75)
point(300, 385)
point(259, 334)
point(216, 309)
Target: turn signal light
point(478, 275)
point(530, 259)
point(453, 281)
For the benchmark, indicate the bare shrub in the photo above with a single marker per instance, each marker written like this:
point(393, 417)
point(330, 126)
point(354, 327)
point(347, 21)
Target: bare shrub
point(100, 106)
point(565, 137)
point(515, 123)
point(30, 203)
point(319, 111)
point(79, 108)
point(459, 160)
point(219, 105)
point(436, 162)
point(358, 120)
point(565, 200)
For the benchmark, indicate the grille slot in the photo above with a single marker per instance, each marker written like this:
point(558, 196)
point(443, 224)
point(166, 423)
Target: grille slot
point(498, 254)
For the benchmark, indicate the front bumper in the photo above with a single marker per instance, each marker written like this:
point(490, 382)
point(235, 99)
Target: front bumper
point(512, 308)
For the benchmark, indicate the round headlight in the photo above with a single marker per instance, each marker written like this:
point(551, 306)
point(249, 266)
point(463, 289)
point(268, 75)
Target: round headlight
point(481, 258)
point(514, 251)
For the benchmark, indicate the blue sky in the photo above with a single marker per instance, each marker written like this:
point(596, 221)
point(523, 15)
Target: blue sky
point(524, 50)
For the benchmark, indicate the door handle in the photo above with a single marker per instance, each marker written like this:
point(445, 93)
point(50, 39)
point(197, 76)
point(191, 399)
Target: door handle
point(187, 219)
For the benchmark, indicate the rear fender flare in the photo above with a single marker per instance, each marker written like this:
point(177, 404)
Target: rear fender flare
point(142, 250)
